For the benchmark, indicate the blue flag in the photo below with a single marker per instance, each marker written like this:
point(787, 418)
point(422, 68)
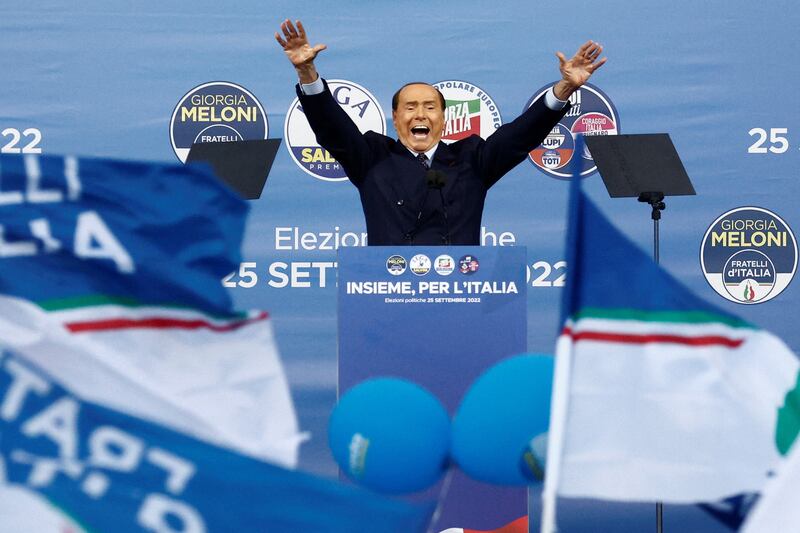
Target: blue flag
point(133, 395)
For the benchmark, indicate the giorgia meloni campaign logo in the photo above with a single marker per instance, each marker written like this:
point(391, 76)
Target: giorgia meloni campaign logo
point(469, 110)
point(218, 111)
point(360, 105)
point(592, 113)
point(749, 255)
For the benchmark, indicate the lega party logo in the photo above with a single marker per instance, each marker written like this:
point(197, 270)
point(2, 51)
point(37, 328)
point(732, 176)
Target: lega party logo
point(469, 110)
point(218, 111)
point(749, 255)
point(420, 264)
point(359, 104)
point(592, 113)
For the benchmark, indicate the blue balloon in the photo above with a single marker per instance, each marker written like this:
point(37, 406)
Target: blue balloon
point(390, 435)
point(500, 429)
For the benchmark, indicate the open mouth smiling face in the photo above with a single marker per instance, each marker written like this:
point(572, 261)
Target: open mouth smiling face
point(419, 117)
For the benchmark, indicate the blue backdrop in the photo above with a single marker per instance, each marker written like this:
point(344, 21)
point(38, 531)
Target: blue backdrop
point(103, 78)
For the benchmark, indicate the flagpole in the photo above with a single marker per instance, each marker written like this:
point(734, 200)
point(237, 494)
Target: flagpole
point(555, 437)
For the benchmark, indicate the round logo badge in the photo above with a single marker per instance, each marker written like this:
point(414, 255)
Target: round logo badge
point(420, 264)
point(749, 255)
point(444, 265)
point(362, 107)
point(218, 111)
point(592, 113)
point(396, 265)
point(468, 111)
point(468, 265)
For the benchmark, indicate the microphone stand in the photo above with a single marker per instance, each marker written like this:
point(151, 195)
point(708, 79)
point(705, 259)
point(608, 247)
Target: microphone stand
point(409, 236)
point(437, 180)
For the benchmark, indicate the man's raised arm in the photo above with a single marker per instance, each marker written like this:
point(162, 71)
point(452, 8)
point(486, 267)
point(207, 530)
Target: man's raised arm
point(333, 128)
point(509, 145)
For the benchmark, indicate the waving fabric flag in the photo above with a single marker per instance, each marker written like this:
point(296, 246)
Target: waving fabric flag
point(657, 395)
point(777, 509)
point(110, 279)
point(69, 465)
point(133, 397)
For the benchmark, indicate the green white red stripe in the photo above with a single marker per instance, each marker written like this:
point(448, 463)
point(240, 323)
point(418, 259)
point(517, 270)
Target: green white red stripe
point(209, 376)
point(676, 407)
point(103, 313)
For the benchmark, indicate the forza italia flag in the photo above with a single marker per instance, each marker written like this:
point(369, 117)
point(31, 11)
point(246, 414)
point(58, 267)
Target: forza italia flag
point(110, 282)
point(776, 509)
point(657, 394)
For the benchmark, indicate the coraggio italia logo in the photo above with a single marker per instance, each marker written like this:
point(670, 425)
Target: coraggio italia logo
point(468, 265)
point(362, 107)
point(218, 111)
point(592, 113)
point(469, 110)
point(749, 255)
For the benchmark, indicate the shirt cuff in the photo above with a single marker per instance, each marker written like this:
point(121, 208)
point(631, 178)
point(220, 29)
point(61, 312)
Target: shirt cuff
point(550, 100)
point(315, 87)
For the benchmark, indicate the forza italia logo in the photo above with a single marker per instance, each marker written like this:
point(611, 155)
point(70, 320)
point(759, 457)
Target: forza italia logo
point(469, 110)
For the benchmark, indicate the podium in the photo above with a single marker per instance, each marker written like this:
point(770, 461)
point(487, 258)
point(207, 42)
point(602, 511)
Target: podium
point(437, 316)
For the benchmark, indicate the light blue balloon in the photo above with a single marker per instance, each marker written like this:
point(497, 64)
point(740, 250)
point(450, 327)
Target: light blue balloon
point(500, 429)
point(390, 435)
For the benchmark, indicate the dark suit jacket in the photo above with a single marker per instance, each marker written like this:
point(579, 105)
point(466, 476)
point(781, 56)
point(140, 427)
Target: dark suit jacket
point(392, 183)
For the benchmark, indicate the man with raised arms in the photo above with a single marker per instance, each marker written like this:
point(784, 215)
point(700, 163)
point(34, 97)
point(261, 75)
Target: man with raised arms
point(416, 189)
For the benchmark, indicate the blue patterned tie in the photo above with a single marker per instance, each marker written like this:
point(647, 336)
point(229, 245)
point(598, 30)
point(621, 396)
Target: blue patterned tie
point(423, 160)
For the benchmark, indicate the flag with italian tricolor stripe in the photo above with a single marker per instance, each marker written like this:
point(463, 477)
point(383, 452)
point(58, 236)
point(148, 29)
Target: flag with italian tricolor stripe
point(110, 279)
point(658, 395)
point(133, 395)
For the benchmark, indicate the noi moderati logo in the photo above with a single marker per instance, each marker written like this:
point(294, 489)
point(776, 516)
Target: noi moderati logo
point(469, 110)
point(592, 113)
point(749, 255)
point(217, 111)
point(359, 104)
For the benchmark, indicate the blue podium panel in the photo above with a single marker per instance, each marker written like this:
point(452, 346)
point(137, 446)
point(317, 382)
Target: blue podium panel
point(437, 316)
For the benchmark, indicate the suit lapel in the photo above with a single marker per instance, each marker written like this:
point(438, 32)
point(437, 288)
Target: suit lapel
point(411, 185)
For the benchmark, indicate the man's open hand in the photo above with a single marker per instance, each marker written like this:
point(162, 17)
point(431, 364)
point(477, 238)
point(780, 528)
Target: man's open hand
point(577, 70)
point(300, 53)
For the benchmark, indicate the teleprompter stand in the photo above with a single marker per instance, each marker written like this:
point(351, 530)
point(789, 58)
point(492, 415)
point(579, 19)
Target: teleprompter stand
point(645, 166)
